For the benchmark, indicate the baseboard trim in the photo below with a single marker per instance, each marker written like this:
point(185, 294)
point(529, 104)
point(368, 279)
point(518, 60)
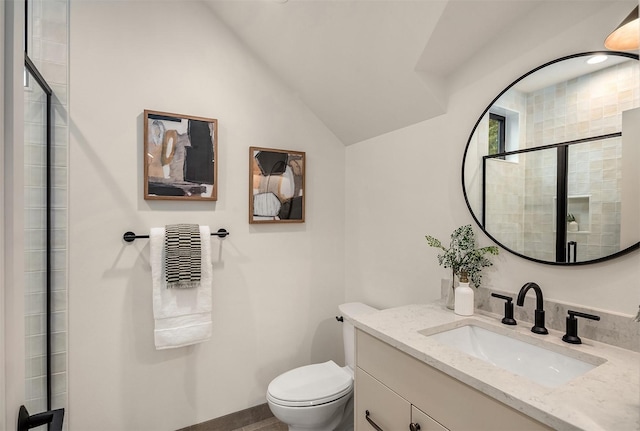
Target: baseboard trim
point(234, 420)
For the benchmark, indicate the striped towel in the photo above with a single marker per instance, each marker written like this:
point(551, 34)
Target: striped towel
point(183, 255)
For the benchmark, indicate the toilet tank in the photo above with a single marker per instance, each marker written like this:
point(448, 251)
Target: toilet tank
point(351, 310)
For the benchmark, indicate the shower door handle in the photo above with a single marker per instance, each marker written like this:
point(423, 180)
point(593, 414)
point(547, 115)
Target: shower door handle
point(570, 245)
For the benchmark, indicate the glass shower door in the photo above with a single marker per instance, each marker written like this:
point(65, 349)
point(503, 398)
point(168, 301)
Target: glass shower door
point(38, 310)
point(36, 243)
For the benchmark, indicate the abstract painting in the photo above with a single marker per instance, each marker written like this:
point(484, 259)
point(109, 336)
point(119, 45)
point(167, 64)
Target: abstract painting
point(180, 157)
point(276, 186)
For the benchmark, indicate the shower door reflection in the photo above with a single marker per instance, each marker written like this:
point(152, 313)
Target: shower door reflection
point(519, 202)
point(594, 198)
point(581, 182)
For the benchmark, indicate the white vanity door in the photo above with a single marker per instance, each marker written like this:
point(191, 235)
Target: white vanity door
point(424, 421)
point(387, 410)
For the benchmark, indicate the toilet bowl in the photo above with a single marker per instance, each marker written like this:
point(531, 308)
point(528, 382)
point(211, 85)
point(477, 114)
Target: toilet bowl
point(319, 397)
point(313, 397)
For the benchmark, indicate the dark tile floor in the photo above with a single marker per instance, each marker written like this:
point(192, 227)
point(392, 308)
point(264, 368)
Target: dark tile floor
point(270, 424)
point(258, 418)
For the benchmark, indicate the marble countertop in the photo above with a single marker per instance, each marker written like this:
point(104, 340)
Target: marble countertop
point(603, 399)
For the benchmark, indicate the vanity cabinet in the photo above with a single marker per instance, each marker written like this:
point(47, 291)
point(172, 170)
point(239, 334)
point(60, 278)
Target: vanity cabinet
point(377, 405)
point(398, 389)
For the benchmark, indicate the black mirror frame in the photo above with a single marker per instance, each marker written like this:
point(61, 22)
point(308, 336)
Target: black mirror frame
point(625, 251)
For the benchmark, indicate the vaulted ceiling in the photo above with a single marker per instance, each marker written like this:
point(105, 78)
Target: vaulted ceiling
point(368, 67)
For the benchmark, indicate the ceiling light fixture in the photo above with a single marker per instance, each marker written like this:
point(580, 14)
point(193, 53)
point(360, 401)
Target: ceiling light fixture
point(597, 59)
point(626, 37)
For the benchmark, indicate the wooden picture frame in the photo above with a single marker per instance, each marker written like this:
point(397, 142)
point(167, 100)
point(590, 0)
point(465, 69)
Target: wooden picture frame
point(276, 185)
point(180, 157)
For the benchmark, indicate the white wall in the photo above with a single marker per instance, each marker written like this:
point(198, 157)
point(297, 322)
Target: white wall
point(3, 345)
point(409, 182)
point(276, 287)
point(12, 313)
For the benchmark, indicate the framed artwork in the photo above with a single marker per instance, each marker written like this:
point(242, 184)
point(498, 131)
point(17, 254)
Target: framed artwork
point(276, 186)
point(180, 157)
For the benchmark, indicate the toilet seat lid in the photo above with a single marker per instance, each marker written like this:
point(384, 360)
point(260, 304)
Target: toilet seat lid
point(310, 385)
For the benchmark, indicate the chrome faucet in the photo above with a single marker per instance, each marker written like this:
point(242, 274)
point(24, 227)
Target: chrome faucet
point(538, 327)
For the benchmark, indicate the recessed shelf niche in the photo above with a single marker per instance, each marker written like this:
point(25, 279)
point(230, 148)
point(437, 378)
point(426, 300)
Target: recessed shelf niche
point(579, 206)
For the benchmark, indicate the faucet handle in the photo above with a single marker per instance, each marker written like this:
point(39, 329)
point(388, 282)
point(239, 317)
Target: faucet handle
point(508, 309)
point(571, 335)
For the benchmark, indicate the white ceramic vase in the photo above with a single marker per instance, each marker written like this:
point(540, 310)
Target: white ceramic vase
point(464, 297)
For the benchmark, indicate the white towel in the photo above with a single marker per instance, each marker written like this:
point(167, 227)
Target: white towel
point(182, 316)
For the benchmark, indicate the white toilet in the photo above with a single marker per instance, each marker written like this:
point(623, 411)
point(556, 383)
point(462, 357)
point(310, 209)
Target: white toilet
point(319, 397)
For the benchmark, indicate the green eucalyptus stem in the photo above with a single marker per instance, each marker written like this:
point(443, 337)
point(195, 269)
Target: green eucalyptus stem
point(462, 254)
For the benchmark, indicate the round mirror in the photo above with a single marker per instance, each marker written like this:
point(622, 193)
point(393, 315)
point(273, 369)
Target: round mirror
point(551, 171)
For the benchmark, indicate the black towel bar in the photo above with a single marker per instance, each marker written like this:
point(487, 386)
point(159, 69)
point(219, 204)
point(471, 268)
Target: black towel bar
point(130, 236)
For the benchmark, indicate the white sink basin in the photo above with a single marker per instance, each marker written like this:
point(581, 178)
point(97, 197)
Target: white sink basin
point(550, 368)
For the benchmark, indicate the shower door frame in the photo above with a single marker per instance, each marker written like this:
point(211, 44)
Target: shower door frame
point(35, 73)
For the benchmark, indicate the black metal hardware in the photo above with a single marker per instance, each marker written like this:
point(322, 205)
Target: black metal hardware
point(562, 187)
point(340, 318)
point(372, 423)
point(53, 418)
point(538, 326)
point(130, 236)
point(508, 309)
point(571, 335)
point(414, 427)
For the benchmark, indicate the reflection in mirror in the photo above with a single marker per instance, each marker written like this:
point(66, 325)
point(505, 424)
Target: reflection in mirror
point(553, 143)
point(508, 193)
